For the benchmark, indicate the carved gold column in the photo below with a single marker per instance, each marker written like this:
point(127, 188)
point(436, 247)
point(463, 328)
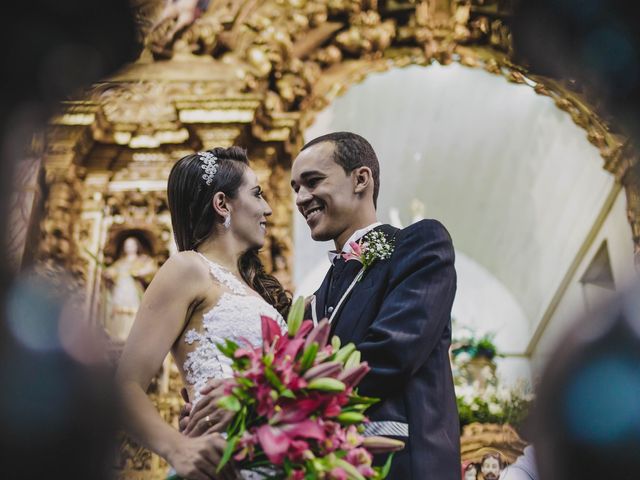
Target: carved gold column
point(57, 246)
point(63, 180)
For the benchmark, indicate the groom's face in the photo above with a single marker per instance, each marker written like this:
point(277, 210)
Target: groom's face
point(324, 192)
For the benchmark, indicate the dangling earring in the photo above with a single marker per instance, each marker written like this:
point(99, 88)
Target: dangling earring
point(227, 221)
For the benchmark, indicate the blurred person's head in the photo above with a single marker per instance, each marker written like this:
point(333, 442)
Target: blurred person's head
point(490, 466)
point(587, 415)
point(469, 471)
point(59, 410)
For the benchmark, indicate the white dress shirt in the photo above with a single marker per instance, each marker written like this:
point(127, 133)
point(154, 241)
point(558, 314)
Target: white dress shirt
point(357, 235)
point(524, 467)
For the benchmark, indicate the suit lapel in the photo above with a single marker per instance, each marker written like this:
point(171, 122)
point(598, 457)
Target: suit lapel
point(351, 270)
point(346, 294)
point(348, 282)
point(321, 295)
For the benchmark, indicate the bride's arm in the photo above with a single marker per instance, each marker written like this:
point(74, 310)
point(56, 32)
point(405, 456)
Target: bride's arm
point(177, 287)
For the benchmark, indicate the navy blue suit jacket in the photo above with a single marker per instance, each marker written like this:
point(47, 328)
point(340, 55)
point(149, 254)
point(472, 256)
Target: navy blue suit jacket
point(399, 317)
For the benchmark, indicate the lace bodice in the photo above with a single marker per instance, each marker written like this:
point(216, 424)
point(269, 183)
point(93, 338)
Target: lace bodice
point(236, 316)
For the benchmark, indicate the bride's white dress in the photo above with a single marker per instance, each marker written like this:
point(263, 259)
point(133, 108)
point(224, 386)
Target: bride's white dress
point(236, 317)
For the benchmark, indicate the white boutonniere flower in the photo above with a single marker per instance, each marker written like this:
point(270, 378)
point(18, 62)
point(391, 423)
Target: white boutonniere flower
point(372, 247)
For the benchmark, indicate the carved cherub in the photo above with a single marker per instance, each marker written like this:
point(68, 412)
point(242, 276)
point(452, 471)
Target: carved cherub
point(176, 16)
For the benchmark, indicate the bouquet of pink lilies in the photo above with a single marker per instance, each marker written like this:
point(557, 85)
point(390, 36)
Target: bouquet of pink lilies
point(297, 413)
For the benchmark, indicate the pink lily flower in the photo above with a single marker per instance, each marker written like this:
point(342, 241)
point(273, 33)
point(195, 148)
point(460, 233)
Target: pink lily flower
point(296, 475)
point(298, 411)
point(270, 330)
point(361, 459)
point(298, 450)
point(306, 327)
point(276, 440)
point(320, 334)
point(337, 473)
point(355, 254)
point(354, 375)
point(335, 436)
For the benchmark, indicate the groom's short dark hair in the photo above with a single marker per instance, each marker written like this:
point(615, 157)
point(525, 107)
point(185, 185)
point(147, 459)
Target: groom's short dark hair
point(352, 151)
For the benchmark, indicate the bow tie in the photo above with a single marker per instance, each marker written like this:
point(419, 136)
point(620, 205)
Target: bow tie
point(338, 263)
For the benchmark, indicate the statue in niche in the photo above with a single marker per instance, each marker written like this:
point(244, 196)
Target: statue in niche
point(126, 280)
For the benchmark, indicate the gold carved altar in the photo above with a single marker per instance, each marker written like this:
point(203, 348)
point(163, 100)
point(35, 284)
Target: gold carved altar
point(252, 73)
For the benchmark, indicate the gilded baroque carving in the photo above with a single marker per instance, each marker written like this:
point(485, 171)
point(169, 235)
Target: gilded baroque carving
point(478, 439)
point(61, 211)
point(367, 34)
point(631, 182)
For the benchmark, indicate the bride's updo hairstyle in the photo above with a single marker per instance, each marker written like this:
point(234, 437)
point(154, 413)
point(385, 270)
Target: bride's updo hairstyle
point(194, 219)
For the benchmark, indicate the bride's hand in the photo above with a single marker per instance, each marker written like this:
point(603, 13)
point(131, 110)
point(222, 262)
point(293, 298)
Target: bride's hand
point(198, 458)
point(185, 411)
point(206, 417)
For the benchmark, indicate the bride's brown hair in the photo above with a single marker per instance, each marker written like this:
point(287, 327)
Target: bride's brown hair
point(193, 217)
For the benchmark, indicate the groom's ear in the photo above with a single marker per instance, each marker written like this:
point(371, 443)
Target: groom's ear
point(362, 179)
point(219, 203)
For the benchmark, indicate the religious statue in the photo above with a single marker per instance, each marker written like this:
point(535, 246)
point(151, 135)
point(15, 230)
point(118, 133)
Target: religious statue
point(126, 279)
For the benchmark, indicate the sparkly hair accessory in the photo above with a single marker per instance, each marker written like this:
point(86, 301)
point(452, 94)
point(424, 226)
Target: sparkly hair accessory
point(209, 165)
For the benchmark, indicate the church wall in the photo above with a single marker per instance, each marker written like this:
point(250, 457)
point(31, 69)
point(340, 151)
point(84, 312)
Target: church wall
point(578, 300)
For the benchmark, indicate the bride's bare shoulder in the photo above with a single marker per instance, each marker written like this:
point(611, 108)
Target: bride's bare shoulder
point(185, 266)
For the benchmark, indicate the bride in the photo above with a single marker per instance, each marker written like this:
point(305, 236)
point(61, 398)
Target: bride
point(214, 288)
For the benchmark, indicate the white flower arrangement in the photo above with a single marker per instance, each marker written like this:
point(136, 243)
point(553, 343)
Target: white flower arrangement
point(494, 403)
point(480, 395)
point(372, 247)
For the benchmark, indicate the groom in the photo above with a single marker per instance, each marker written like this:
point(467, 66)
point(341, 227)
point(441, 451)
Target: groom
point(398, 314)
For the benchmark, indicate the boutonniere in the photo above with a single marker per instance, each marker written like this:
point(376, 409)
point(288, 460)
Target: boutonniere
point(372, 247)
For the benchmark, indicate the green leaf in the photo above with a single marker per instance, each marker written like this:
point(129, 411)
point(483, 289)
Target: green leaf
point(245, 382)
point(308, 356)
point(386, 467)
point(242, 394)
point(288, 394)
point(228, 451)
point(237, 425)
point(350, 417)
point(326, 384)
point(356, 408)
point(355, 399)
point(268, 359)
point(229, 402)
point(241, 364)
point(352, 472)
point(288, 466)
point(342, 354)
point(228, 348)
point(295, 317)
point(353, 360)
point(273, 379)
